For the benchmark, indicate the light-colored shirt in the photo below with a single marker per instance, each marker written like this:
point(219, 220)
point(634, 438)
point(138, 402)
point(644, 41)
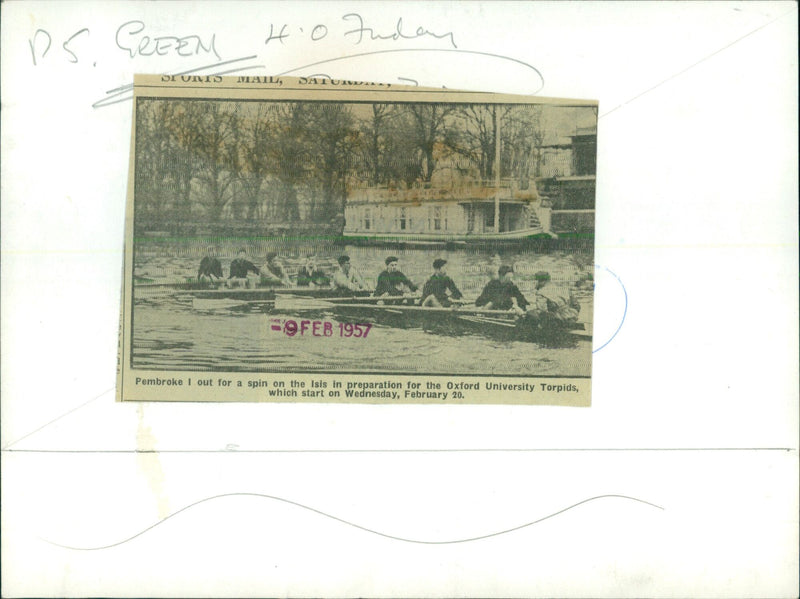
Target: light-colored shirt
point(351, 280)
point(558, 301)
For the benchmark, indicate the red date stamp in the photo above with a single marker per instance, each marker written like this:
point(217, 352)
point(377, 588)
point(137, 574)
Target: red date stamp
point(319, 328)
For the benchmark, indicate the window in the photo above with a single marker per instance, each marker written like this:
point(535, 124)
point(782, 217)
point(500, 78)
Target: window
point(366, 221)
point(437, 219)
point(401, 222)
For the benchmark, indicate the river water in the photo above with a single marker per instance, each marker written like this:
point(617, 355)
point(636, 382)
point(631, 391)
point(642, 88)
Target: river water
point(169, 333)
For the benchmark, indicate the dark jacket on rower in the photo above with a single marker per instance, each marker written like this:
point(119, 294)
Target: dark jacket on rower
point(392, 283)
point(209, 266)
point(240, 267)
point(317, 277)
point(500, 292)
point(438, 286)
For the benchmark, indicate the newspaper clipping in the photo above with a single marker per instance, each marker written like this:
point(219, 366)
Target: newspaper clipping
point(319, 240)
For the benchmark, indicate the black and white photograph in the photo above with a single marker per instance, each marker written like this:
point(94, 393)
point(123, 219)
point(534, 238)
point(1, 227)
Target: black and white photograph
point(303, 235)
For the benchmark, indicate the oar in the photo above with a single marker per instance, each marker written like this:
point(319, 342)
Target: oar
point(482, 319)
point(150, 284)
point(288, 302)
point(426, 309)
point(389, 300)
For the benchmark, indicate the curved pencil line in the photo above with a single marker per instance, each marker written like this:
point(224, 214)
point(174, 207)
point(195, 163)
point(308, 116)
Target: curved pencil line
point(124, 93)
point(395, 50)
point(624, 314)
point(56, 419)
point(343, 521)
point(693, 65)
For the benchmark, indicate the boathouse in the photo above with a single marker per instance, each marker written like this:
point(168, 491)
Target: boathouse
point(456, 206)
point(465, 211)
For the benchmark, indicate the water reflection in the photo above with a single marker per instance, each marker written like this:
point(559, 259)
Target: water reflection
point(169, 333)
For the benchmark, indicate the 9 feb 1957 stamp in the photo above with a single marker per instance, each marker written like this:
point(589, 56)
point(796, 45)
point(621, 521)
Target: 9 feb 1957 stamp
point(302, 239)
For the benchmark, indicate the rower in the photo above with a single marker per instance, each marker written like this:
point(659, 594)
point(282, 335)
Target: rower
point(210, 270)
point(310, 275)
point(346, 278)
point(393, 282)
point(502, 293)
point(275, 272)
point(240, 268)
point(435, 291)
point(554, 304)
point(495, 263)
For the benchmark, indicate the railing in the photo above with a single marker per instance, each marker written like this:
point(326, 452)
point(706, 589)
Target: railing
point(470, 190)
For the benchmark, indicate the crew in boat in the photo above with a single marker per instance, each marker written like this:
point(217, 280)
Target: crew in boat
point(553, 304)
point(240, 268)
point(393, 282)
point(439, 290)
point(346, 278)
point(274, 272)
point(502, 293)
point(210, 270)
point(311, 275)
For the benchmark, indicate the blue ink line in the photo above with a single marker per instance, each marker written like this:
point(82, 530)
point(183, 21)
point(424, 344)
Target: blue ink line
point(624, 314)
point(364, 528)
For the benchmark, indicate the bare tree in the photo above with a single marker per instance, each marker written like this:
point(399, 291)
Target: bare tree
point(289, 155)
point(280, 160)
point(152, 170)
point(181, 119)
point(475, 137)
point(254, 134)
point(375, 131)
point(166, 132)
point(333, 148)
point(217, 156)
point(522, 136)
point(429, 127)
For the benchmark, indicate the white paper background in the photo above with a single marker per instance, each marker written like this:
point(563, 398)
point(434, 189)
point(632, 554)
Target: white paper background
point(694, 401)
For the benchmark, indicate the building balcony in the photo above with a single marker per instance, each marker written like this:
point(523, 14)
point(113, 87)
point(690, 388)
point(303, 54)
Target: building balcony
point(474, 191)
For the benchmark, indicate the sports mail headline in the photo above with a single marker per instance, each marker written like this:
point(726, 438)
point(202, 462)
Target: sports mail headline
point(159, 379)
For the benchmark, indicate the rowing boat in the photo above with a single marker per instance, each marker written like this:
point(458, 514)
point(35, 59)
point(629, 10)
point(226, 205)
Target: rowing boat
point(206, 296)
point(460, 319)
point(361, 307)
point(262, 298)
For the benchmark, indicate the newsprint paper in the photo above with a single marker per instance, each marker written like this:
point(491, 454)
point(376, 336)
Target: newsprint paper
point(319, 240)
